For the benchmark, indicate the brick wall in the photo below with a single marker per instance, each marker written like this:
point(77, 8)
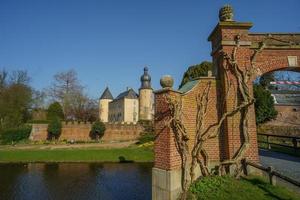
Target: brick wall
point(166, 154)
point(81, 132)
point(275, 56)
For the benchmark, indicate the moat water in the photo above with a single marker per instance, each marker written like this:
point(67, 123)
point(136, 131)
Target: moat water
point(72, 181)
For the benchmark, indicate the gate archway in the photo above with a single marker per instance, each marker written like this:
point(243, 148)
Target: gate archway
point(232, 45)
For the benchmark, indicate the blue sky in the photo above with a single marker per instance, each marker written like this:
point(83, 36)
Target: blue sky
point(109, 42)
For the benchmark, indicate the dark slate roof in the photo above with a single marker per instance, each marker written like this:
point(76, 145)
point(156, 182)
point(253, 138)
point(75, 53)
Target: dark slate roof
point(106, 94)
point(129, 94)
point(188, 86)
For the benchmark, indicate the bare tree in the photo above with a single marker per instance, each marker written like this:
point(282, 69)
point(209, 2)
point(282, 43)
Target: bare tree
point(38, 99)
point(84, 108)
point(3, 78)
point(19, 77)
point(68, 91)
point(65, 89)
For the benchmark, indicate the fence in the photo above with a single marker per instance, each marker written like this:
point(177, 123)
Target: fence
point(273, 176)
point(290, 142)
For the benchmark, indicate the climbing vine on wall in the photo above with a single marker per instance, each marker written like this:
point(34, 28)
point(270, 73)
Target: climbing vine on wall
point(197, 153)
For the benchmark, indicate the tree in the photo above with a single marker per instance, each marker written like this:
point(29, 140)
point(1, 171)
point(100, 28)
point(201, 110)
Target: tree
point(196, 71)
point(98, 129)
point(54, 128)
point(84, 108)
point(65, 90)
point(264, 104)
point(15, 100)
point(38, 99)
point(3, 79)
point(55, 111)
point(76, 105)
point(265, 80)
point(19, 77)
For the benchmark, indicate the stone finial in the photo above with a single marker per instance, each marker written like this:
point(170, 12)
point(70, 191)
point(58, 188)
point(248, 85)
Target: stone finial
point(209, 73)
point(226, 14)
point(166, 81)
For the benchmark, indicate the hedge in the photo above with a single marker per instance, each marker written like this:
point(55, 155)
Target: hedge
point(15, 134)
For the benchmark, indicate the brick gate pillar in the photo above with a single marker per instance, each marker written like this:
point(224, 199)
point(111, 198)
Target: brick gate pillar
point(224, 38)
point(166, 173)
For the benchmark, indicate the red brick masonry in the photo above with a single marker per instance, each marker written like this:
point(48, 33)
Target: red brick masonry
point(280, 52)
point(81, 132)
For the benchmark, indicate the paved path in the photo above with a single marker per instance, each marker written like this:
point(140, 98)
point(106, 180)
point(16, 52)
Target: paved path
point(69, 146)
point(283, 163)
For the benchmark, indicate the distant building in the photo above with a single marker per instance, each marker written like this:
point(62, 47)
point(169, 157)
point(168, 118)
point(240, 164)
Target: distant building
point(128, 106)
point(146, 98)
point(104, 101)
point(124, 108)
point(287, 104)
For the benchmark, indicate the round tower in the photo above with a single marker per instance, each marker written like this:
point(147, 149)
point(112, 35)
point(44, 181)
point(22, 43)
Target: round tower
point(146, 97)
point(104, 100)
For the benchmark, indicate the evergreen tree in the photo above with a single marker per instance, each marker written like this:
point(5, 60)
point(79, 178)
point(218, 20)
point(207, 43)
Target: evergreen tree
point(264, 105)
point(265, 80)
point(54, 128)
point(196, 71)
point(55, 111)
point(98, 129)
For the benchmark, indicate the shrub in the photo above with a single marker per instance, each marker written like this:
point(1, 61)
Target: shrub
point(98, 129)
point(54, 128)
point(146, 137)
point(55, 111)
point(264, 105)
point(15, 134)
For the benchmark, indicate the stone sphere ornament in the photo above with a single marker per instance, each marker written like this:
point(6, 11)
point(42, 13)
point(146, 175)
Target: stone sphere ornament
point(226, 14)
point(166, 81)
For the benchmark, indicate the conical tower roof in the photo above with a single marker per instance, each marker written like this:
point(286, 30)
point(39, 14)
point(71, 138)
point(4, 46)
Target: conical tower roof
point(106, 94)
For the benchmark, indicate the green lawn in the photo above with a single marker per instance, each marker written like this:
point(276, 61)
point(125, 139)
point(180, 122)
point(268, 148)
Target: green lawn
point(228, 188)
point(129, 154)
point(280, 149)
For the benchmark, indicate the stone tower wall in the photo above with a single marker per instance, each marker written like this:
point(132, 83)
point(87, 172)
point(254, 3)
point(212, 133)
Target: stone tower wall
point(104, 109)
point(146, 104)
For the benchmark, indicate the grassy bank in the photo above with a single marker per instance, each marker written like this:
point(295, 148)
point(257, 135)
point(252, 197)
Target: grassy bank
point(228, 188)
point(128, 154)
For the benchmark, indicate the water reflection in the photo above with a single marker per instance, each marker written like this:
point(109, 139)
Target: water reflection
point(75, 181)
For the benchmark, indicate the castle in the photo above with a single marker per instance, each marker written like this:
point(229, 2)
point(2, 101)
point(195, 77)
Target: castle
point(128, 106)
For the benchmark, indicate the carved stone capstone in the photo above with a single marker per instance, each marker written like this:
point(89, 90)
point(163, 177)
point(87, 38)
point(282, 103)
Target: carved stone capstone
point(226, 14)
point(167, 81)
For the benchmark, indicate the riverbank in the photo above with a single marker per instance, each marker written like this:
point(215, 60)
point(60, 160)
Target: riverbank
point(247, 188)
point(63, 145)
point(85, 153)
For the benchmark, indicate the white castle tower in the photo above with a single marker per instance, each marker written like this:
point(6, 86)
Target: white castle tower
point(146, 97)
point(104, 100)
